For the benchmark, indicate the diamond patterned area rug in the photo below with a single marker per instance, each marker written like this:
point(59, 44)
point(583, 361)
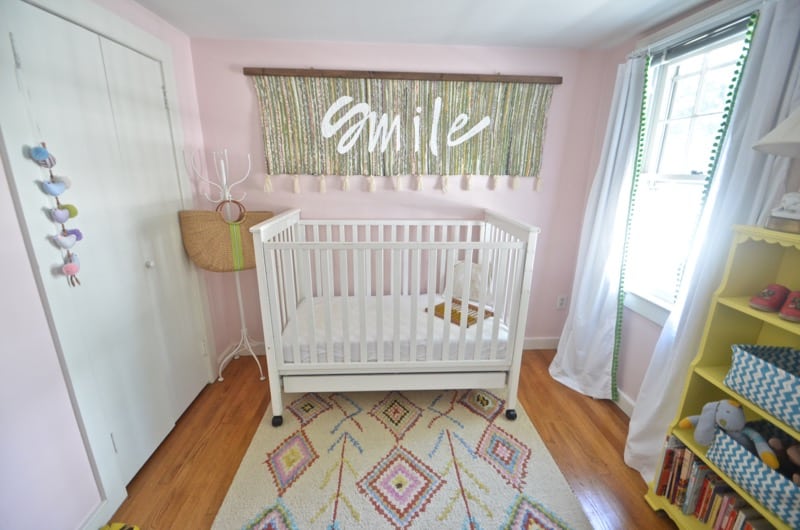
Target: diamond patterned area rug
point(367, 460)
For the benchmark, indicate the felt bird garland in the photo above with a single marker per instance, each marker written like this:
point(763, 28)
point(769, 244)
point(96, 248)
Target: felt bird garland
point(54, 187)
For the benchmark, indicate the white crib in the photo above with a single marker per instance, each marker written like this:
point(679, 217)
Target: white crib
point(351, 305)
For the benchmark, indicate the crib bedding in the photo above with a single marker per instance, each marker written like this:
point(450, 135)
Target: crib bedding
point(356, 314)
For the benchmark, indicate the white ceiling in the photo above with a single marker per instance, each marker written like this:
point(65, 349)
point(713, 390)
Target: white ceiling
point(518, 23)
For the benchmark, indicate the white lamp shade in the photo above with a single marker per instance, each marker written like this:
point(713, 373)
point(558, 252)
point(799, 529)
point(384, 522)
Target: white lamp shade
point(784, 139)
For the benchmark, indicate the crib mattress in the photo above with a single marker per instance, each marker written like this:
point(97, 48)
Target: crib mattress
point(299, 334)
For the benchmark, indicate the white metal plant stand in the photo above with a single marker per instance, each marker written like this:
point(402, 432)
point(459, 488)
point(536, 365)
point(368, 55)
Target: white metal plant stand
point(221, 165)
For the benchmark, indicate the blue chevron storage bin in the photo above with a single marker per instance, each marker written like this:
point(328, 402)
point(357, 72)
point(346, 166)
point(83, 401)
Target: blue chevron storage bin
point(773, 490)
point(768, 376)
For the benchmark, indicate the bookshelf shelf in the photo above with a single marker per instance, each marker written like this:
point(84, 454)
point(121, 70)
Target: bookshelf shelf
point(758, 257)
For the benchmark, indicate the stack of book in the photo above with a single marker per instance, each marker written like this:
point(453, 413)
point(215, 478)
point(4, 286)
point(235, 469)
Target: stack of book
point(688, 483)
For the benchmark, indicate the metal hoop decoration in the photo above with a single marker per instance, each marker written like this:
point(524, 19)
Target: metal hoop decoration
point(242, 211)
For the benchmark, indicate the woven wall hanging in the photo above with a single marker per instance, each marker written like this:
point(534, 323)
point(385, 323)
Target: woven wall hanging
point(388, 124)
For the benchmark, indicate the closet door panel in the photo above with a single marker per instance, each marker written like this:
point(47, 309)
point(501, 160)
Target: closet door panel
point(111, 328)
point(54, 90)
point(149, 162)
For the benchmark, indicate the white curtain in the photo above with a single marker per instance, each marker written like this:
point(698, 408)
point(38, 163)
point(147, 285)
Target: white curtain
point(584, 360)
point(746, 185)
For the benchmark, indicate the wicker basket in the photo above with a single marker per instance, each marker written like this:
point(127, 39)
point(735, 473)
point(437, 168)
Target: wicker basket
point(216, 244)
point(768, 376)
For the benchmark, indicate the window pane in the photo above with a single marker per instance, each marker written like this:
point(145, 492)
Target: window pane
point(684, 96)
point(701, 141)
point(673, 150)
point(665, 216)
point(725, 54)
point(715, 87)
point(691, 64)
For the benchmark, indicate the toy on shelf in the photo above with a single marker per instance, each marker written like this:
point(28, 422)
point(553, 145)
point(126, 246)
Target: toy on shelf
point(776, 298)
point(728, 415)
point(788, 458)
point(66, 238)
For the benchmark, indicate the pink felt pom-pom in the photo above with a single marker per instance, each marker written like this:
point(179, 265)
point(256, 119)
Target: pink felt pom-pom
point(71, 269)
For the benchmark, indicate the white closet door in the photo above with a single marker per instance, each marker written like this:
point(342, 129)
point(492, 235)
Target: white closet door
point(149, 165)
point(57, 66)
point(99, 107)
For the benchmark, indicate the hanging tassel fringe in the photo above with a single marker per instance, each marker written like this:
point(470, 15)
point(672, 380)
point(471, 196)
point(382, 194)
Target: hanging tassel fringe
point(494, 182)
point(296, 184)
point(536, 183)
point(468, 182)
point(267, 184)
point(345, 183)
point(397, 183)
point(418, 183)
point(322, 185)
point(370, 183)
point(444, 184)
point(514, 182)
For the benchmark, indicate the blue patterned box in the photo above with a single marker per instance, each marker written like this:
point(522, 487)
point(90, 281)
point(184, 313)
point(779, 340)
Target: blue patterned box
point(768, 376)
point(774, 491)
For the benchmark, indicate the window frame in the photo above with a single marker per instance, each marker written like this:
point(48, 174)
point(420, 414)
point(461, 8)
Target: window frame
point(642, 301)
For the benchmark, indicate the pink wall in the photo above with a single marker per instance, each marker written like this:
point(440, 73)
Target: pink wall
point(230, 119)
point(639, 336)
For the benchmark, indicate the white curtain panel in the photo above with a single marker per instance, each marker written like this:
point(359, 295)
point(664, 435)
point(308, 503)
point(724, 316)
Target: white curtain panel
point(584, 359)
point(746, 186)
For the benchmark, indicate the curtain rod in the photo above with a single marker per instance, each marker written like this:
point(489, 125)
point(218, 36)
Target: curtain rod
point(422, 76)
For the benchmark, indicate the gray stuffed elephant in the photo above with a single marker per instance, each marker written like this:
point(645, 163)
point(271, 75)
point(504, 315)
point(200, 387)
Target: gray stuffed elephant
point(729, 416)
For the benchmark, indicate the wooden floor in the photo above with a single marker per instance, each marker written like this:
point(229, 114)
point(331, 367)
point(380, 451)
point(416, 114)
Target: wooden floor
point(184, 482)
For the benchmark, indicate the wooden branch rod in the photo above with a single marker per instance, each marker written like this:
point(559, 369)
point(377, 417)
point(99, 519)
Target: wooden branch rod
point(422, 76)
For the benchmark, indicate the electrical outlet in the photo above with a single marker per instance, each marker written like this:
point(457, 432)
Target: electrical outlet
point(561, 302)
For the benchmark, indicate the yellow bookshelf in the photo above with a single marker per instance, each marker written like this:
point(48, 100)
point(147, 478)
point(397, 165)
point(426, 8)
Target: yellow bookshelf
point(757, 257)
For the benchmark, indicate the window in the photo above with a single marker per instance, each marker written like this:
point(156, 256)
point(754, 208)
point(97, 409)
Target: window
point(688, 89)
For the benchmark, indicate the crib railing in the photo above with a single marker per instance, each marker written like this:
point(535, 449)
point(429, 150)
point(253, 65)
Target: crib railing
point(340, 267)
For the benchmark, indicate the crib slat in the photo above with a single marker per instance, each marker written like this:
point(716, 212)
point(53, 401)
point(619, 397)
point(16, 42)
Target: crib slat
point(464, 309)
point(291, 303)
point(304, 279)
point(326, 264)
point(499, 301)
point(317, 268)
point(404, 261)
point(275, 287)
point(305, 292)
point(360, 290)
point(432, 266)
point(345, 290)
point(396, 292)
point(482, 303)
point(380, 352)
point(281, 294)
point(450, 256)
point(414, 302)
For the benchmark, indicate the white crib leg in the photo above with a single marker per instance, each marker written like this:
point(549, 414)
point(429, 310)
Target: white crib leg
point(277, 408)
point(276, 397)
point(513, 387)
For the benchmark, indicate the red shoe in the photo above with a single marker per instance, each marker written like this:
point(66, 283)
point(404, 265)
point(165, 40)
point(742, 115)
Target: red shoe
point(791, 309)
point(771, 298)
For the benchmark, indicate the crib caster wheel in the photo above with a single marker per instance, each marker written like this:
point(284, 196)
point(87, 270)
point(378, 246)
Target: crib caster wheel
point(277, 421)
point(511, 414)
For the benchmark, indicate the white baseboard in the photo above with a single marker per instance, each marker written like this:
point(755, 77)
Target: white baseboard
point(625, 403)
point(540, 343)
